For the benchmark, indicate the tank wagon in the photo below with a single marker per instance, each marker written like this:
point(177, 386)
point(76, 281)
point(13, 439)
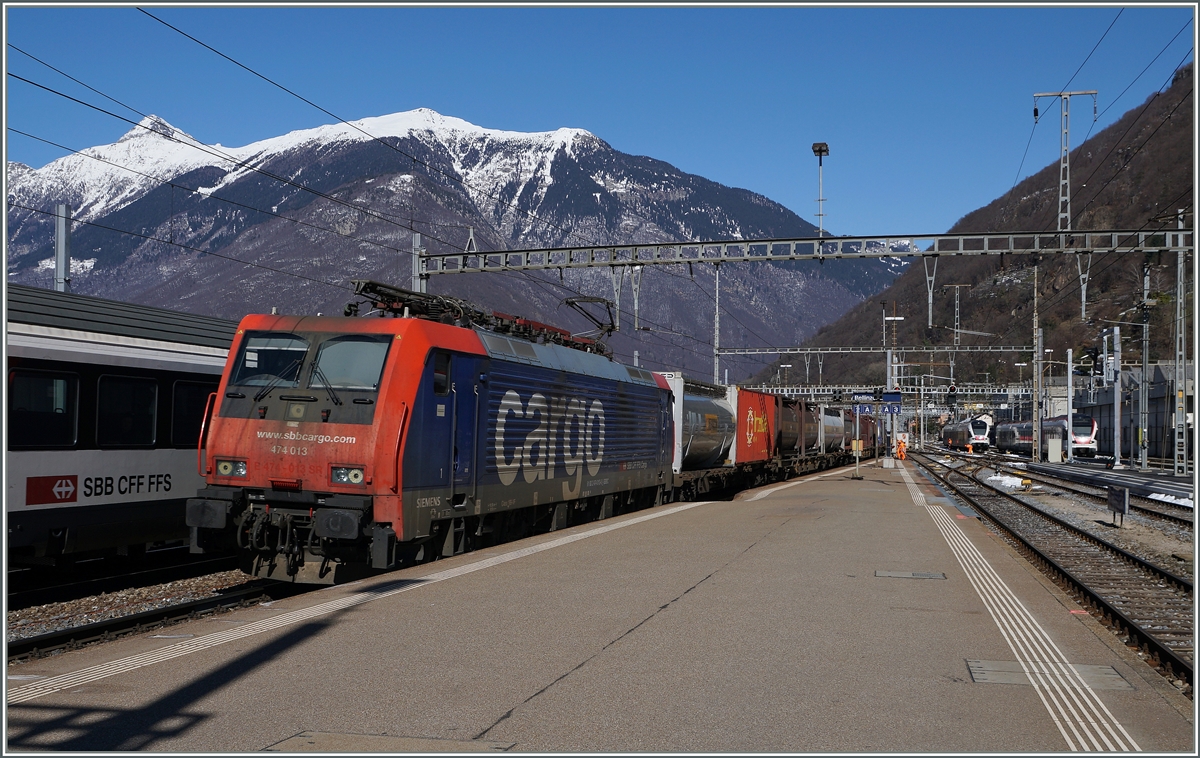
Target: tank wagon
point(335, 444)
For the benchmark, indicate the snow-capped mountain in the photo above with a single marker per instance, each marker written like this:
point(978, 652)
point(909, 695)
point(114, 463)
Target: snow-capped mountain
point(214, 229)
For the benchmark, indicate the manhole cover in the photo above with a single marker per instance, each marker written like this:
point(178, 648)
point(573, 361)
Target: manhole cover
point(1013, 672)
point(911, 574)
point(339, 742)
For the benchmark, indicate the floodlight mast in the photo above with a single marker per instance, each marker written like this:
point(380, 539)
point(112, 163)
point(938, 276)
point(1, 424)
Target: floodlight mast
point(820, 149)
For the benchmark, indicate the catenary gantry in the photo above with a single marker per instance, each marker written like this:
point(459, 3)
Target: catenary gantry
point(807, 248)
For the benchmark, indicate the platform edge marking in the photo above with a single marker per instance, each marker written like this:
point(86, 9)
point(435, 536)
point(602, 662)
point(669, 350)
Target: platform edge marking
point(1021, 631)
point(91, 674)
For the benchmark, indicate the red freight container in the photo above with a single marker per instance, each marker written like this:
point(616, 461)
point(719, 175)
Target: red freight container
point(756, 420)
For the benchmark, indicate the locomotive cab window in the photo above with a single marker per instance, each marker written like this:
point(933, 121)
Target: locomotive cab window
point(352, 362)
point(126, 411)
point(42, 409)
point(270, 359)
point(441, 373)
point(187, 411)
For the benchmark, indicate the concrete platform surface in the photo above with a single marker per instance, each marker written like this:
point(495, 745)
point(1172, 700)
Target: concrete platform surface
point(820, 615)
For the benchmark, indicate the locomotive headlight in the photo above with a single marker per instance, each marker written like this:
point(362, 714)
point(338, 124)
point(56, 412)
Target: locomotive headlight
point(231, 468)
point(346, 475)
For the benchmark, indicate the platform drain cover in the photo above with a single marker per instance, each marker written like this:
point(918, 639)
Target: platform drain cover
point(1011, 672)
point(911, 574)
point(340, 742)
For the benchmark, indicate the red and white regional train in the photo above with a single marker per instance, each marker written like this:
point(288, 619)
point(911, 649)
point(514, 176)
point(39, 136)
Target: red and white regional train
point(1017, 437)
point(337, 444)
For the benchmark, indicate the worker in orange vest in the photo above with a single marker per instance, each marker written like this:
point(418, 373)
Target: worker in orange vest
point(900, 446)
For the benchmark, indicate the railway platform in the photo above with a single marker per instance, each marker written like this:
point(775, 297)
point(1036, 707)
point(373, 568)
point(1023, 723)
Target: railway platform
point(1144, 483)
point(823, 614)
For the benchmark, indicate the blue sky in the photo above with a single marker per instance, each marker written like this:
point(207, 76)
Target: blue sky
point(927, 111)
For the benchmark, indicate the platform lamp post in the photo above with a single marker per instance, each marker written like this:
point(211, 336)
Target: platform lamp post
point(820, 149)
point(1020, 374)
point(1046, 387)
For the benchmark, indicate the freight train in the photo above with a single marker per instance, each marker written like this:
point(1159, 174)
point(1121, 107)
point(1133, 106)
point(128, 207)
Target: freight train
point(338, 445)
point(105, 401)
point(1017, 437)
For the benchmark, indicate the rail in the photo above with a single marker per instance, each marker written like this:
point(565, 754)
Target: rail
point(1163, 604)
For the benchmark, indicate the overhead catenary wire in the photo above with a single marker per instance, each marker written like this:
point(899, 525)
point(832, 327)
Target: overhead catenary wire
point(416, 160)
point(341, 120)
point(1076, 286)
point(213, 196)
point(230, 159)
point(1029, 142)
point(234, 161)
point(1112, 257)
point(152, 238)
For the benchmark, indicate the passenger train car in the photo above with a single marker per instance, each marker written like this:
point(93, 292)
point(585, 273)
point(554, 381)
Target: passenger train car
point(336, 444)
point(105, 403)
point(1083, 428)
point(1017, 437)
point(972, 431)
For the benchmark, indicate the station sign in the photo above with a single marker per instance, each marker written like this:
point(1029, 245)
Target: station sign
point(892, 397)
point(893, 408)
point(862, 398)
point(864, 409)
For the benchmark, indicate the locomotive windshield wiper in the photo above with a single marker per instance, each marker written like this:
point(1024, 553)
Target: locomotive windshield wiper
point(320, 375)
point(299, 362)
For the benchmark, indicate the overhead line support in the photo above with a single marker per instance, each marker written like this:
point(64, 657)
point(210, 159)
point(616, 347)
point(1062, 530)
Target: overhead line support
point(805, 249)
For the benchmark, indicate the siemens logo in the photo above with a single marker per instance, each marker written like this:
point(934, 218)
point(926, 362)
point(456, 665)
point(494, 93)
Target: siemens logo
point(565, 433)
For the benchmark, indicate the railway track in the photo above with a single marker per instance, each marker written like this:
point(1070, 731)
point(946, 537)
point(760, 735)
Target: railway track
point(76, 637)
point(31, 592)
point(1150, 605)
point(1154, 509)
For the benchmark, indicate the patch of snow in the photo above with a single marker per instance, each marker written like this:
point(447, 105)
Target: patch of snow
point(1005, 481)
point(77, 266)
point(1186, 502)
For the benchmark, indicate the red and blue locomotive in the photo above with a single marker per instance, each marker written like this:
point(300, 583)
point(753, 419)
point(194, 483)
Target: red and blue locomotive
point(340, 442)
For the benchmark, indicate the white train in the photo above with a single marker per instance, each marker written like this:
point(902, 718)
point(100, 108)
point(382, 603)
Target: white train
point(105, 404)
point(972, 431)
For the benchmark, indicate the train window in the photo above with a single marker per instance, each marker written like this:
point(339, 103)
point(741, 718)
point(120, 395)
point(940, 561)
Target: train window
point(187, 411)
point(126, 410)
point(270, 359)
point(42, 409)
point(441, 373)
point(353, 362)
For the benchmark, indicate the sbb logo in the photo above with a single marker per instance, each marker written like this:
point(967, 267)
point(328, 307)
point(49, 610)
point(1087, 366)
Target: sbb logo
point(43, 490)
point(563, 431)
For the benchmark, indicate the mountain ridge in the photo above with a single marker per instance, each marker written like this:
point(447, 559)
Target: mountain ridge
point(187, 213)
